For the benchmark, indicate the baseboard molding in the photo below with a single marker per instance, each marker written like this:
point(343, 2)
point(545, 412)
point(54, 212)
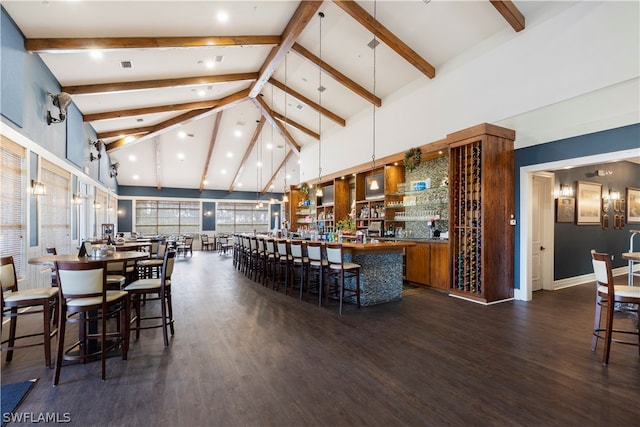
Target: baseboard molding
point(480, 302)
point(585, 278)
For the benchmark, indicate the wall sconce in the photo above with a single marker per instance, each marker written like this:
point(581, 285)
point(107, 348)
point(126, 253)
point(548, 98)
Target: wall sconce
point(96, 205)
point(566, 190)
point(38, 188)
point(76, 199)
point(62, 101)
point(113, 170)
point(97, 144)
point(612, 195)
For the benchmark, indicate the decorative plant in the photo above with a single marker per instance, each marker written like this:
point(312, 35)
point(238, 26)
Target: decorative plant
point(412, 158)
point(346, 225)
point(304, 189)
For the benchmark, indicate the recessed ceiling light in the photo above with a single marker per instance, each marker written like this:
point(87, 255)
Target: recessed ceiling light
point(182, 134)
point(136, 177)
point(238, 133)
point(205, 182)
point(209, 64)
point(269, 146)
point(299, 161)
point(239, 184)
point(132, 158)
point(288, 176)
point(229, 154)
point(222, 16)
point(223, 171)
point(180, 156)
point(97, 54)
point(201, 92)
point(259, 164)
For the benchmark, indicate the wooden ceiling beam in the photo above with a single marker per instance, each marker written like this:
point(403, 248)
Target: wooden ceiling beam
point(266, 112)
point(154, 84)
point(149, 110)
point(288, 121)
point(287, 90)
point(225, 103)
point(336, 75)
point(301, 17)
point(275, 174)
point(247, 152)
point(65, 45)
point(358, 13)
point(510, 13)
point(212, 143)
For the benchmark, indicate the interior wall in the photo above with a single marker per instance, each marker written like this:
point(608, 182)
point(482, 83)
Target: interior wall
point(573, 242)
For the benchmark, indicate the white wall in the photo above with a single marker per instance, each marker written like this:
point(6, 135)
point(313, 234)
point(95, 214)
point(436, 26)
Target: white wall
point(585, 48)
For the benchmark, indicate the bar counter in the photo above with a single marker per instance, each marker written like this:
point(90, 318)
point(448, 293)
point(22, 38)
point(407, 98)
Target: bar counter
point(381, 270)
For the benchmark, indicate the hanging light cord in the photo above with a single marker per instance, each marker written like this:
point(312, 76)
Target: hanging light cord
point(321, 15)
point(373, 155)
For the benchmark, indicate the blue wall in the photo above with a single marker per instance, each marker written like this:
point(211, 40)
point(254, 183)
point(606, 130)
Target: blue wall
point(619, 139)
point(26, 85)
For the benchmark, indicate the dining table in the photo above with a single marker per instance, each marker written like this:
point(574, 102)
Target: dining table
point(110, 257)
point(632, 258)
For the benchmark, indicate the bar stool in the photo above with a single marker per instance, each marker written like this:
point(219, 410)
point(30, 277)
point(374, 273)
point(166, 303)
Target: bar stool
point(339, 271)
point(271, 261)
point(285, 261)
point(15, 300)
point(317, 265)
point(299, 262)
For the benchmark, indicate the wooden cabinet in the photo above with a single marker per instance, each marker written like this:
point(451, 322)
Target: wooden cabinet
point(427, 263)
point(481, 205)
point(333, 205)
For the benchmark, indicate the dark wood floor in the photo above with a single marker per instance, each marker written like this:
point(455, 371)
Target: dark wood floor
point(244, 355)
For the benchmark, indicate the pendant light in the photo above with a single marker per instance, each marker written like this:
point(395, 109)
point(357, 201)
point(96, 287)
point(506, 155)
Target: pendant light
point(374, 43)
point(319, 192)
point(285, 198)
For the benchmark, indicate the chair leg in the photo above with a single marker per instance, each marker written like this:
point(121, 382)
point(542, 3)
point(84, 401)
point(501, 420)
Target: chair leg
point(608, 333)
point(12, 333)
point(596, 324)
point(62, 323)
point(163, 306)
point(47, 333)
point(170, 311)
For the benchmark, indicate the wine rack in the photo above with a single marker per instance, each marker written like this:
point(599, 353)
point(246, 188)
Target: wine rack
point(481, 204)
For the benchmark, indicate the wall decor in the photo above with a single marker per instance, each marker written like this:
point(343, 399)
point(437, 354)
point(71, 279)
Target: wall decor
point(565, 209)
point(633, 205)
point(589, 203)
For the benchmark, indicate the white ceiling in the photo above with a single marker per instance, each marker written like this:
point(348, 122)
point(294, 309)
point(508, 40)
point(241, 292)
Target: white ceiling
point(438, 31)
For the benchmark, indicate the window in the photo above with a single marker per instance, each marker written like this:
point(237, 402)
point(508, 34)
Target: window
point(241, 218)
point(55, 208)
point(159, 217)
point(12, 192)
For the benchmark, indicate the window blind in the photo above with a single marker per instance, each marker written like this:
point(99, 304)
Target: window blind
point(12, 205)
point(55, 208)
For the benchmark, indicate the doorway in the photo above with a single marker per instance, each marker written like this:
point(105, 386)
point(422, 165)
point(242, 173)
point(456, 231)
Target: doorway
point(542, 235)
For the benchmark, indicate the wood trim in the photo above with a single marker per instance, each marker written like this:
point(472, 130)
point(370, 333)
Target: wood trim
point(149, 110)
point(480, 130)
point(273, 178)
point(65, 45)
point(212, 143)
point(227, 102)
point(510, 13)
point(337, 75)
point(153, 84)
point(339, 120)
point(247, 152)
point(354, 10)
point(266, 112)
point(297, 23)
point(288, 121)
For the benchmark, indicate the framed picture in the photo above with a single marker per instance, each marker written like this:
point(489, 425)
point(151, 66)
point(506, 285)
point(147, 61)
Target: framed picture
point(633, 205)
point(589, 203)
point(565, 209)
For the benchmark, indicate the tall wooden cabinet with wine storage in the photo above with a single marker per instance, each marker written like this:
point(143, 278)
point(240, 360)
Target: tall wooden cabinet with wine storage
point(333, 205)
point(369, 203)
point(481, 179)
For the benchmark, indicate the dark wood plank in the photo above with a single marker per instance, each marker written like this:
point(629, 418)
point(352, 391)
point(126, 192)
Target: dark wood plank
point(245, 355)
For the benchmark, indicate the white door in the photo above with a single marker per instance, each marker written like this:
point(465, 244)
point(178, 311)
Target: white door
point(541, 233)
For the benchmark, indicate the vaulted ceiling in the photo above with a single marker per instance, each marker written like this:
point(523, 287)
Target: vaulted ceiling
point(193, 94)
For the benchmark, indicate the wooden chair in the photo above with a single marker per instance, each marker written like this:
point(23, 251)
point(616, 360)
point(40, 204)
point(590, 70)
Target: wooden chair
point(206, 244)
point(142, 289)
point(116, 275)
point(285, 261)
point(84, 299)
point(186, 246)
point(340, 271)
point(627, 299)
point(14, 301)
point(150, 268)
point(271, 261)
point(317, 267)
point(299, 262)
